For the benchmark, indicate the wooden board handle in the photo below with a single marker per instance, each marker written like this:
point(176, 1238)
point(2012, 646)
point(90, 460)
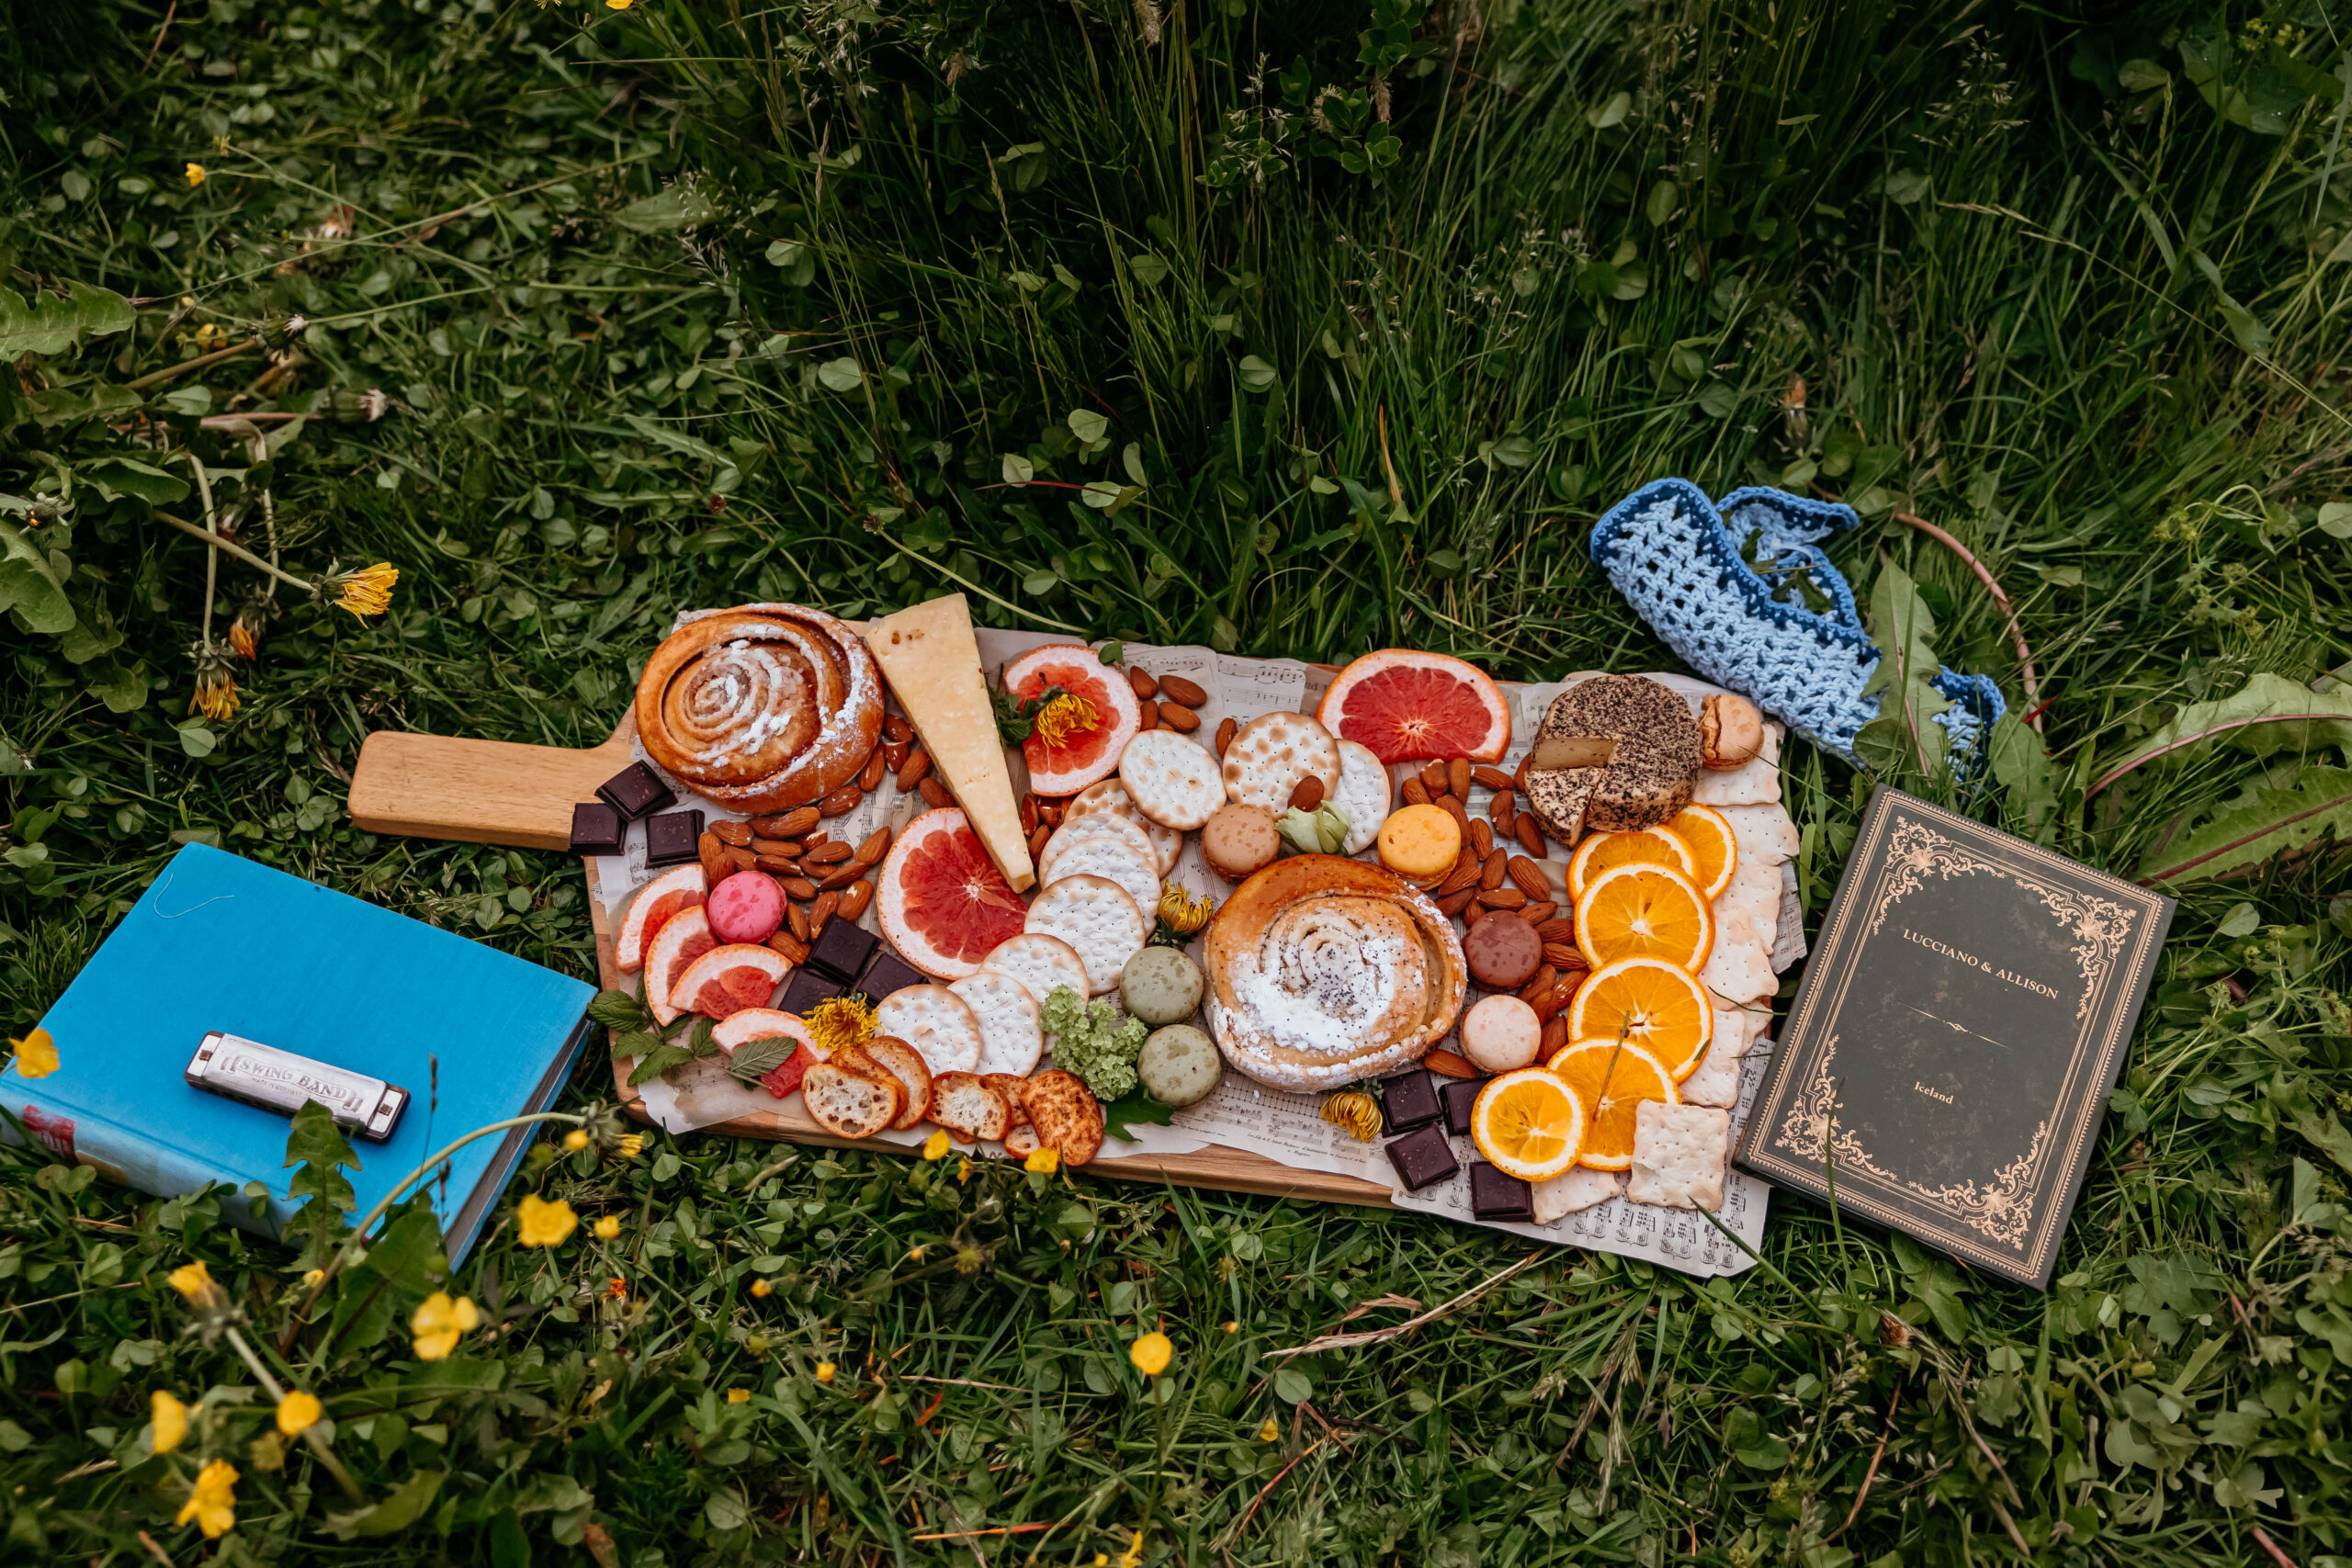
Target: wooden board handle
point(482, 792)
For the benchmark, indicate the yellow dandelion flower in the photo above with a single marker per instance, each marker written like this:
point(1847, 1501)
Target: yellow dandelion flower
point(762, 1289)
point(314, 1278)
point(824, 1371)
point(1133, 1556)
point(36, 1055)
point(843, 1022)
point(618, 5)
point(246, 638)
point(617, 1289)
point(1232, 1327)
point(369, 591)
point(575, 1139)
point(1355, 1112)
point(1269, 1431)
point(192, 1281)
point(216, 694)
point(209, 335)
point(297, 1412)
point(630, 1146)
point(937, 1145)
point(914, 1254)
point(213, 1503)
point(1183, 912)
point(964, 1169)
point(1065, 718)
point(543, 1224)
point(1151, 1353)
point(739, 1396)
point(170, 1417)
point(440, 1322)
point(609, 1226)
point(1045, 1162)
point(195, 176)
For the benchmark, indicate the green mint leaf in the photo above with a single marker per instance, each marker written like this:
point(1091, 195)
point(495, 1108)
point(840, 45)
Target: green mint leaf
point(636, 1043)
point(617, 1010)
point(1134, 1109)
point(1114, 653)
point(755, 1059)
point(656, 1062)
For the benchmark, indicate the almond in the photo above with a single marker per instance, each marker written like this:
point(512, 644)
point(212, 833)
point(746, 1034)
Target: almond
point(1176, 716)
point(1049, 810)
point(843, 799)
point(855, 899)
point(918, 764)
point(739, 859)
point(1148, 715)
point(1482, 838)
point(1457, 778)
point(1503, 898)
point(1446, 1064)
point(1453, 903)
point(1037, 839)
point(1555, 1035)
point(894, 754)
point(736, 833)
point(1538, 913)
point(1183, 691)
point(1493, 778)
point(1561, 929)
point(781, 866)
point(765, 846)
point(827, 854)
point(1225, 730)
point(798, 887)
point(1308, 794)
point(788, 825)
point(1146, 688)
point(877, 845)
point(810, 841)
point(1416, 791)
point(1540, 987)
point(715, 863)
point(1502, 808)
point(1434, 779)
point(841, 875)
point(795, 951)
point(1529, 832)
point(871, 779)
point(1561, 953)
point(1463, 877)
point(1454, 809)
point(1490, 876)
point(934, 793)
point(1529, 878)
point(1029, 811)
point(797, 918)
point(895, 727)
point(823, 909)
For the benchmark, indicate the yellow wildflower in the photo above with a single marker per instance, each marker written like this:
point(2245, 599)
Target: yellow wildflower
point(369, 591)
point(936, 1145)
point(841, 1022)
point(440, 1322)
point(739, 1396)
point(914, 1254)
point(170, 1417)
point(1151, 1353)
point(297, 1412)
point(195, 176)
point(1269, 1431)
point(1232, 1327)
point(192, 1281)
point(210, 336)
point(824, 1371)
point(1133, 1556)
point(964, 1169)
point(314, 1278)
point(213, 1503)
point(617, 1289)
point(609, 1226)
point(216, 694)
point(1045, 1161)
point(1065, 718)
point(36, 1055)
point(1354, 1112)
point(618, 5)
point(576, 1140)
point(1183, 912)
point(246, 638)
point(544, 1223)
point(762, 1288)
point(631, 1146)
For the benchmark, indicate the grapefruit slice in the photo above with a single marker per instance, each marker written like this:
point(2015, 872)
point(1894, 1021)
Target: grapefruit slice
point(1406, 705)
point(766, 1023)
point(680, 887)
point(730, 978)
point(1080, 758)
point(944, 903)
point(682, 939)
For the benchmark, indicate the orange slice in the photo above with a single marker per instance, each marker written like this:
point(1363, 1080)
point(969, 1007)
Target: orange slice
point(1651, 1003)
point(1644, 846)
point(1613, 1079)
point(1529, 1124)
point(1715, 854)
point(1644, 911)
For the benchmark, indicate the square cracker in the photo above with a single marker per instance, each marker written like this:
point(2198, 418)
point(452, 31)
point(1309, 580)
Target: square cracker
point(1679, 1152)
point(1578, 1190)
point(1716, 1081)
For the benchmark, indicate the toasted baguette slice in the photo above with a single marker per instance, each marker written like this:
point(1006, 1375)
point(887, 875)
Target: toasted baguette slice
point(1067, 1115)
point(1022, 1142)
point(848, 1105)
point(968, 1106)
point(883, 1057)
point(1010, 1086)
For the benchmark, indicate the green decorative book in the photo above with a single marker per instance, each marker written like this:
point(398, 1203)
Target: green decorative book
point(1956, 1035)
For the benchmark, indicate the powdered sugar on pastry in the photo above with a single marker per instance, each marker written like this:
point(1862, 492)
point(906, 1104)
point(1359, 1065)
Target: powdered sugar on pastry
point(1363, 795)
point(936, 1022)
point(1101, 923)
point(1010, 1040)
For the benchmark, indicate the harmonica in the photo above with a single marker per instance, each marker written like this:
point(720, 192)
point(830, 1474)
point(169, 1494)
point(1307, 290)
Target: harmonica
point(271, 1079)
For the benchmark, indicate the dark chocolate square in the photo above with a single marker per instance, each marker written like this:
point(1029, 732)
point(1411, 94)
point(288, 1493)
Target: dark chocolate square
point(597, 830)
point(1409, 1100)
point(635, 790)
point(1459, 1096)
point(806, 989)
point(671, 837)
point(1421, 1156)
point(842, 949)
point(1494, 1196)
point(888, 974)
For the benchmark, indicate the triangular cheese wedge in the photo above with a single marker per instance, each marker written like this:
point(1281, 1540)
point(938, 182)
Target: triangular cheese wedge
point(932, 662)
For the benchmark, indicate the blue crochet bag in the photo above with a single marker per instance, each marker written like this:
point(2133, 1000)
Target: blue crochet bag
point(1676, 558)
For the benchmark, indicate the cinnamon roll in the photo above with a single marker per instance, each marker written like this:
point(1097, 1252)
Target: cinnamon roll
point(760, 709)
point(1323, 970)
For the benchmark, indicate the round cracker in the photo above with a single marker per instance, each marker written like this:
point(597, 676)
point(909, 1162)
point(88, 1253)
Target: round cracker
point(1272, 753)
point(1363, 795)
point(1139, 873)
point(1011, 1041)
point(1115, 825)
point(1110, 794)
point(1171, 778)
point(937, 1022)
point(1040, 963)
point(1098, 920)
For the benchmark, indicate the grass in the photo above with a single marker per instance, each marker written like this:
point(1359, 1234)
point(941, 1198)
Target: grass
point(2061, 283)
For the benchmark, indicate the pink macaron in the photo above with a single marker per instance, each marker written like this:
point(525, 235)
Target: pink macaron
point(746, 907)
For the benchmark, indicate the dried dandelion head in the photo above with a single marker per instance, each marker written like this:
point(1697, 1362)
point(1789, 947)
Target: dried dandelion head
point(216, 686)
point(245, 636)
point(1065, 718)
point(368, 592)
point(839, 1024)
point(1355, 1112)
point(1181, 915)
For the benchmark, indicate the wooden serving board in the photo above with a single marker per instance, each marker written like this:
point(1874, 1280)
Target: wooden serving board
point(497, 792)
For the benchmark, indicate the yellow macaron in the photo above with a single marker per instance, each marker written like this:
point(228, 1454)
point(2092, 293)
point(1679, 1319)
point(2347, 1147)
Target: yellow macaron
point(1421, 843)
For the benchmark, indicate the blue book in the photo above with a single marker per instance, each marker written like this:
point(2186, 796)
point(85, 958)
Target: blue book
point(223, 943)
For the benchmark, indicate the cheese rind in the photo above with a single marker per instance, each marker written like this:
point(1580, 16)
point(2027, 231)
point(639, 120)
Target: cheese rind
point(932, 662)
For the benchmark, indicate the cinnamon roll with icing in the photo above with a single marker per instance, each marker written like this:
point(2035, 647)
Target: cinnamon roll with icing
point(760, 709)
point(1323, 970)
